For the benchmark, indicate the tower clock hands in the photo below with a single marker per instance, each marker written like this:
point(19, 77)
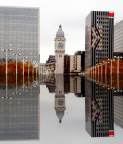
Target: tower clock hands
point(60, 44)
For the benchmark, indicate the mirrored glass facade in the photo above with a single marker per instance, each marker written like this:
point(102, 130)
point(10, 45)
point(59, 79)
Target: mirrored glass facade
point(19, 31)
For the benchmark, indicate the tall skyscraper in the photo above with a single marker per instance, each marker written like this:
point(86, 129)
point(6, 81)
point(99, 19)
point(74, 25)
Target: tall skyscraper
point(99, 37)
point(19, 31)
point(59, 51)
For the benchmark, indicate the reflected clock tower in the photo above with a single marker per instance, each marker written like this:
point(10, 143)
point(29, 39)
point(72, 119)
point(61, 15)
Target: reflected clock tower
point(59, 97)
point(59, 51)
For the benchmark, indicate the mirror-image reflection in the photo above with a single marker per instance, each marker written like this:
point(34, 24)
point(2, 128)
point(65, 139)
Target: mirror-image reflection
point(99, 110)
point(20, 104)
point(19, 108)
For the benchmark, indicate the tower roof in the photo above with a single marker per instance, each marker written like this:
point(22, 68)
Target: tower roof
point(60, 115)
point(60, 32)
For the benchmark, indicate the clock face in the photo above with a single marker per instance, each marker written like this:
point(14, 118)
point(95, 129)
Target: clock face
point(60, 102)
point(60, 45)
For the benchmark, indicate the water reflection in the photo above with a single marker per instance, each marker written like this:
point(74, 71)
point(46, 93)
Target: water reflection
point(19, 108)
point(19, 103)
point(103, 101)
point(71, 84)
point(101, 96)
point(99, 110)
point(61, 85)
point(60, 106)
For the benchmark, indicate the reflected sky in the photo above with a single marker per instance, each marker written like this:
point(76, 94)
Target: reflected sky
point(61, 109)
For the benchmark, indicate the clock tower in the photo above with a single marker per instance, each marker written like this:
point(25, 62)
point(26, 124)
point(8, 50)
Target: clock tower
point(59, 51)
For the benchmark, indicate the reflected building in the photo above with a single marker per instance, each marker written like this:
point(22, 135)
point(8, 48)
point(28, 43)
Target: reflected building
point(60, 106)
point(71, 84)
point(42, 79)
point(66, 84)
point(50, 83)
point(118, 110)
point(19, 116)
point(77, 86)
point(82, 87)
point(99, 114)
point(42, 69)
point(19, 31)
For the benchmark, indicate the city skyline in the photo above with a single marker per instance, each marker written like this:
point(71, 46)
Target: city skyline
point(72, 17)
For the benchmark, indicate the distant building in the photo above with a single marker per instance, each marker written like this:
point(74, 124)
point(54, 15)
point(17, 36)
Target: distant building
point(118, 35)
point(82, 62)
point(50, 65)
point(19, 31)
point(75, 63)
point(67, 64)
point(99, 37)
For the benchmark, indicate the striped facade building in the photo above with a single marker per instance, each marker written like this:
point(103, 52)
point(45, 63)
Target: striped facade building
point(99, 37)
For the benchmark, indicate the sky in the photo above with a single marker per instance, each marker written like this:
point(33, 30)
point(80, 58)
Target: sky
point(71, 15)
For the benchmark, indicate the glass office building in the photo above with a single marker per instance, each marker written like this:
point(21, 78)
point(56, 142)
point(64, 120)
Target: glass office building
point(19, 31)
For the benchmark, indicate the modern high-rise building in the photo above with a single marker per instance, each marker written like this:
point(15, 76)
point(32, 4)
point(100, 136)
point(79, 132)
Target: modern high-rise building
point(19, 31)
point(118, 34)
point(99, 37)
